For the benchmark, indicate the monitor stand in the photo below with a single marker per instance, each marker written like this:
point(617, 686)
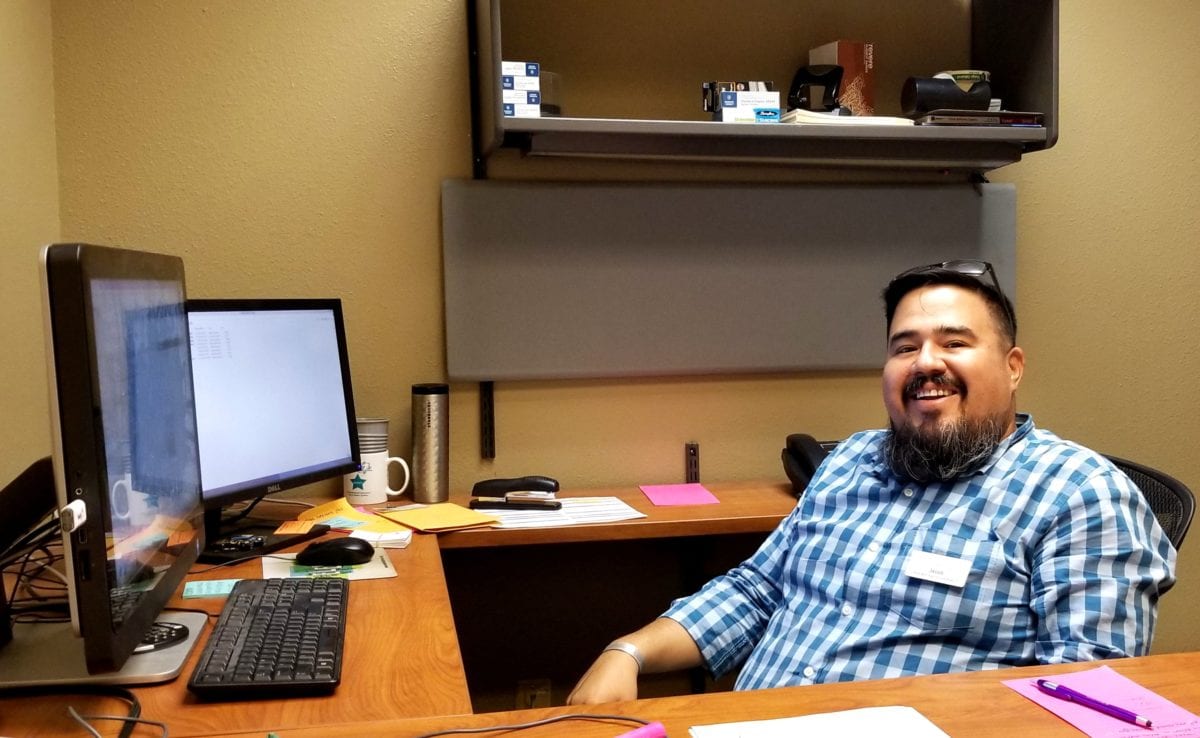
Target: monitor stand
point(222, 543)
point(51, 655)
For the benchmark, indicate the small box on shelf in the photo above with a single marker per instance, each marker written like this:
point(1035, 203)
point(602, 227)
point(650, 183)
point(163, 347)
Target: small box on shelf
point(521, 97)
point(749, 107)
point(520, 89)
point(857, 60)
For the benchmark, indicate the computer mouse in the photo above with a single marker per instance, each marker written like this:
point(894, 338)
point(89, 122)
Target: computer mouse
point(336, 552)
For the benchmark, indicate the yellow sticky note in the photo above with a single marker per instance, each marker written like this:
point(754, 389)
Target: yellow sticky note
point(442, 516)
point(294, 527)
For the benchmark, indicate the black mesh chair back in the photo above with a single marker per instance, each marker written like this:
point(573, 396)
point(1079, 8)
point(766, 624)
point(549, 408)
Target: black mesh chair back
point(1171, 501)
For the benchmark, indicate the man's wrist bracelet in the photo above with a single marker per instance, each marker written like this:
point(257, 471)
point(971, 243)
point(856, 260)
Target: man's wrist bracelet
point(628, 648)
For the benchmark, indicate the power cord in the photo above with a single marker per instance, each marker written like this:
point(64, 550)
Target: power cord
point(129, 721)
point(537, 723)
point(231, 562)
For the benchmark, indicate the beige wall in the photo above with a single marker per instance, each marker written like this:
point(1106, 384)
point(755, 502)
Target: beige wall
point(28, 218)
point(297, 148)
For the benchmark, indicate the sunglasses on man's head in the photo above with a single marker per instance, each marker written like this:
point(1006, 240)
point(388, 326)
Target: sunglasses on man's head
point(972, 268)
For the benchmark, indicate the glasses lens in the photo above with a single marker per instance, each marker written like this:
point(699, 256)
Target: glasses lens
point(968, 267)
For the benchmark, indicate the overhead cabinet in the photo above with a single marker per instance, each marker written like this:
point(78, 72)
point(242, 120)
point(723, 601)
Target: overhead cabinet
point(629, 77)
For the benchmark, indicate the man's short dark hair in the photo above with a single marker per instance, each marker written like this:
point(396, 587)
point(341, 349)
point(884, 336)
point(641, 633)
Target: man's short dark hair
point(998, 303)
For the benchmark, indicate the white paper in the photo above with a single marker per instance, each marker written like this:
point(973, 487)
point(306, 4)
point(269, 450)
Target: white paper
point(894, 721)
point(391, 539)
point(284, 565)
point(575, 511)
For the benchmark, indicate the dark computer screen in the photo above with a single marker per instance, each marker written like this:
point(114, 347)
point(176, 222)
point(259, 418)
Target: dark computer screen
point(274, 404)
point(124, 454)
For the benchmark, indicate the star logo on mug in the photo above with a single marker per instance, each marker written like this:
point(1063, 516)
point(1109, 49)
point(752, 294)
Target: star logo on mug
point(358, 482)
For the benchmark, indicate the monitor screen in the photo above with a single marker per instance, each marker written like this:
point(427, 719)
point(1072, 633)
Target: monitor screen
point(274, 405)
point(124, 456)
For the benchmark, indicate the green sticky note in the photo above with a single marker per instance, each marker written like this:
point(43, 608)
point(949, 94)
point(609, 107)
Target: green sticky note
point(208, 588)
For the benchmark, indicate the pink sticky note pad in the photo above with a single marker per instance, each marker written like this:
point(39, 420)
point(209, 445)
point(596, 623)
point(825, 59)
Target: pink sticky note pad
point(678, 494)
point(1107, 685)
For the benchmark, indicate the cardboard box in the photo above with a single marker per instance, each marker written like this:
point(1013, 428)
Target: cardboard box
point(520, 89)
point(521, 97)
point(520, 69)
point(521, 110)
point(857, 60)
point(710, 92)
point(749, 107)
point(520, 82)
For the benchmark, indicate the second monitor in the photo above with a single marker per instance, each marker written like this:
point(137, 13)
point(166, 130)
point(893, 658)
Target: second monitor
point(274, 408)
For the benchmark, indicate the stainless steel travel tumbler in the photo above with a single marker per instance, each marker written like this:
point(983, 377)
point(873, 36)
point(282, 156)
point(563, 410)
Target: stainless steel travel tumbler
point(431, 442)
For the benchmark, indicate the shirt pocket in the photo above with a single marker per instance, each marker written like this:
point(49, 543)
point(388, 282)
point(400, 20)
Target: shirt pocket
point(934, 607)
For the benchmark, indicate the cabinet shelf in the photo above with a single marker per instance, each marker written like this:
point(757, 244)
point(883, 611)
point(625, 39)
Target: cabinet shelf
point(953, 148)
point(1016, 42)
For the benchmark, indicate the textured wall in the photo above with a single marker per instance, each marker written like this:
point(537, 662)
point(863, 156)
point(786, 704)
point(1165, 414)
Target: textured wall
point(1107, 263)
point(28, 219)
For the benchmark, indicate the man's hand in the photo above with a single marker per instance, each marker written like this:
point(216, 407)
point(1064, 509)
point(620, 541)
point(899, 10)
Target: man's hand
point(611, 678)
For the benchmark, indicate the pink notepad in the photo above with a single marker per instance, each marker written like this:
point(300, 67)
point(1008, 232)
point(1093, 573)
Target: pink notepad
point(679, 494)
point(1106, 685)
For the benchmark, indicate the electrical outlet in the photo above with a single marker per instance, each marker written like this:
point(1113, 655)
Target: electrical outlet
point(533, 693)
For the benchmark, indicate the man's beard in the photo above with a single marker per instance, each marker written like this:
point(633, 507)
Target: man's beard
point(944, 452)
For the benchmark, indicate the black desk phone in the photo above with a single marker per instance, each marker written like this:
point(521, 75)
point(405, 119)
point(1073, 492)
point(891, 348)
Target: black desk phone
point(802, 454)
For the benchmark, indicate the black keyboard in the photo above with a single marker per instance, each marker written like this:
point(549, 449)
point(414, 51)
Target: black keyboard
point(275, 638)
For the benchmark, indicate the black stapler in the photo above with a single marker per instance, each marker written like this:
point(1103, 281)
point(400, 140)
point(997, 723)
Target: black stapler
point(518, 493)
point(826, 78)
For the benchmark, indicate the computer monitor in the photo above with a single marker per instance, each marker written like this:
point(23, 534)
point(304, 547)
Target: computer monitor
point(125, 465)
point(274, 408)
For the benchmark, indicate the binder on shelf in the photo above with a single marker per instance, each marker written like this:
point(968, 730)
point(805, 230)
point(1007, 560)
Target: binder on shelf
point(948, 117)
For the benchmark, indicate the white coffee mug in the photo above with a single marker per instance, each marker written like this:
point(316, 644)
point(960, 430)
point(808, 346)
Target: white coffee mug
point(127, 504)
point(369, 485)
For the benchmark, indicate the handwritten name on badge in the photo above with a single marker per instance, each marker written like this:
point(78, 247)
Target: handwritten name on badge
point(937, 568)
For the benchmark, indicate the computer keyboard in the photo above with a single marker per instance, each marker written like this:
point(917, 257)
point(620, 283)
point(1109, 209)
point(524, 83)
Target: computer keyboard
point(275, 638)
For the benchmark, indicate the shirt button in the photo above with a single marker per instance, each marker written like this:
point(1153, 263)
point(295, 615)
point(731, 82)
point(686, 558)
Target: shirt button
point(810, 672)
point(874, 547)
point(847, 609)
point(908, 492)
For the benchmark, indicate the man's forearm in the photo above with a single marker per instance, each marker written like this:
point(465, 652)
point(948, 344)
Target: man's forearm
point(664, 645)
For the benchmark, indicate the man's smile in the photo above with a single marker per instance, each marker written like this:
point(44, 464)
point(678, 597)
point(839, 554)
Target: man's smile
point(932, 390)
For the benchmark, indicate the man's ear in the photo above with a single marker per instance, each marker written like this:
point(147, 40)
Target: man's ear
point(1016, 365)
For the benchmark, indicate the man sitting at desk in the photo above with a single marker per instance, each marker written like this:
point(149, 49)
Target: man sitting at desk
point(961, 538)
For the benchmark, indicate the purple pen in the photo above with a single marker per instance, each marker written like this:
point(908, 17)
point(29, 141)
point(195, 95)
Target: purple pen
point(1070, 695)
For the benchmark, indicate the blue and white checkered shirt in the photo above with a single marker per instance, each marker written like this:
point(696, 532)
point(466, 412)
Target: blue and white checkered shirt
point(1063, 559)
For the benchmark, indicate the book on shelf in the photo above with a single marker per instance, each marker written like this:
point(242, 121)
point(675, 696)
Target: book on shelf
point(946, 117)
point(857, 60)
point(799, 115)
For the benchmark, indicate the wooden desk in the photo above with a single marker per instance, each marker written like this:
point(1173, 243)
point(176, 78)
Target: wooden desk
point(403, 657)
point(744, 508)
point(558, 595)
point(974, 705)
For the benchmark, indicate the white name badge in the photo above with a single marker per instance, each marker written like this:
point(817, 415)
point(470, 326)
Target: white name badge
point(937, 568)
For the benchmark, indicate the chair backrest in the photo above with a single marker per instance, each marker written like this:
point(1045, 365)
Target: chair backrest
point(1171, 501)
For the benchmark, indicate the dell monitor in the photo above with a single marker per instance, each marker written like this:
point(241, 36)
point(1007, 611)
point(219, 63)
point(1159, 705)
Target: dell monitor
point(274, 408)
point(126, 468)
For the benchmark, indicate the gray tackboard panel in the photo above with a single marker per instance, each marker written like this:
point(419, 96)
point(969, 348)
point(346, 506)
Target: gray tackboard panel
point(551, 280)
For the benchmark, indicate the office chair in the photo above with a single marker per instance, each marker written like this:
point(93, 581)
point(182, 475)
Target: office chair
point(1171, 501)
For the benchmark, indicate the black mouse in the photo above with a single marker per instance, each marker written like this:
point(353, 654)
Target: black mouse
point(336, 552)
